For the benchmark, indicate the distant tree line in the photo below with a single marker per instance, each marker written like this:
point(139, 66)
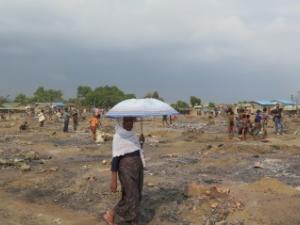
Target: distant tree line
point(3, 100)
point(155, 95)
point(104, 97)
point(86, 96)
point(40, 95)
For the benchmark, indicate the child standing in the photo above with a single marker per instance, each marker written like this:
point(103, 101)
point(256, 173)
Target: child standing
point(42, 118)
point(94, 124)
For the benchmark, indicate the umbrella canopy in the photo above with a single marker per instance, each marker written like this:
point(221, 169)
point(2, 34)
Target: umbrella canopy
point(141, 108)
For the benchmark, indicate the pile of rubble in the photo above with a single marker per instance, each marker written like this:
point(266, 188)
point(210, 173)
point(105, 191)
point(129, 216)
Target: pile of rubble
point(22, 161)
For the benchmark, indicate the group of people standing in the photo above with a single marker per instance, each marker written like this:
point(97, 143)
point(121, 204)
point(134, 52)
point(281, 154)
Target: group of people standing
point(73, 114)
point(68, 113)
point(244, 123)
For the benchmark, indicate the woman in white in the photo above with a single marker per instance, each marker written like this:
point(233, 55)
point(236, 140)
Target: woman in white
point(127, 165)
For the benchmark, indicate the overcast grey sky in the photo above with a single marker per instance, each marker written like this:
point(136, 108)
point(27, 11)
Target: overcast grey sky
point(219, 50)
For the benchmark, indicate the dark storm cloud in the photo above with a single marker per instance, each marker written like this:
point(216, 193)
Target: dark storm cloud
point(221, 52)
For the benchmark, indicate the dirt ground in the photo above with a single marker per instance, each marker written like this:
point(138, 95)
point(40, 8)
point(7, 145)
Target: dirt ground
point(195, 175)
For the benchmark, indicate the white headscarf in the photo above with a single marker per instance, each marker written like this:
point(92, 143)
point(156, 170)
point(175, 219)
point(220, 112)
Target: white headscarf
point(124, 142)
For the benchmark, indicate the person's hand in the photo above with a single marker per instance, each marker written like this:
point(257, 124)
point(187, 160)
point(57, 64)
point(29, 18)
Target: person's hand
point(113, 186)
point(142, 138)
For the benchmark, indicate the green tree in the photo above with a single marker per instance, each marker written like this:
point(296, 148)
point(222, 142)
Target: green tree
point(22, 99)
point(2, 100)
point(40, 95)
point(180, 105)
point(83, 91)
point(106, 97)
point(211, 105)
point(195, 101)
point(54, 95)
point(155, 95)
point(50, 95)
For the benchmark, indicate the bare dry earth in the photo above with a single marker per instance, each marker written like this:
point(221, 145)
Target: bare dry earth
point(51, 178)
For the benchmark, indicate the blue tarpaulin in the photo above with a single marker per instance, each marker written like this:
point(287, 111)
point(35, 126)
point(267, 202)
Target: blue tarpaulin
point(273, 102)
point(58, 104)
point(265, 102)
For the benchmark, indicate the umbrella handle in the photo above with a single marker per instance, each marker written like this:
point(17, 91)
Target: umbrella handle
point(142, 145)
point(143, 158)
point(142, 141)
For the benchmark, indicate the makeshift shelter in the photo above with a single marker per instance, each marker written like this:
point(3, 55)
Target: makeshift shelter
point(285, 102)
point(12, 107)
point(58, 105)
point(260, 104)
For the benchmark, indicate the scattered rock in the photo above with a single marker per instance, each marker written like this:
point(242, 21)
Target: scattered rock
point(212, 181)
point(85, 167)
point(209, 146)
point(31, 155)
point(91, 178)
point(5, 139)
point(102, 137)
point(53, 169)
point(214, 205)
point(3, 162)
point(57, 221)
point(223, 222)
point(18, 160)
point(153, 141)
point(6, 162)
point(197, 190)
point(218, 192)
point(238, 205)
point(149, 184)
point(258, 165)
point(25, 168)
point(209, 222)
point(276, 147)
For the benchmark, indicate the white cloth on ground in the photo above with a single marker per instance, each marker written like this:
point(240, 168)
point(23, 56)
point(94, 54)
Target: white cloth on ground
point(124, 142)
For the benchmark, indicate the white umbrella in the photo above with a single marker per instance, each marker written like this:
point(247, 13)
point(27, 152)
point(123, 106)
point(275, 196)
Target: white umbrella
point(141, 108)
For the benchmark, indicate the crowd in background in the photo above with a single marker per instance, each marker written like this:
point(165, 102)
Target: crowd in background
point(244, 123)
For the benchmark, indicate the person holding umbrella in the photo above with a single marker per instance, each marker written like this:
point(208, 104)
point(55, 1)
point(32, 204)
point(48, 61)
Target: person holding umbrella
point(128, 157)
point(127, 165)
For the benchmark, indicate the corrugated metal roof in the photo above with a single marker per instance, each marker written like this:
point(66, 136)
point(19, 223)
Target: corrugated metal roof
point(273, 102)
point(285, 102)
point(265, 102)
